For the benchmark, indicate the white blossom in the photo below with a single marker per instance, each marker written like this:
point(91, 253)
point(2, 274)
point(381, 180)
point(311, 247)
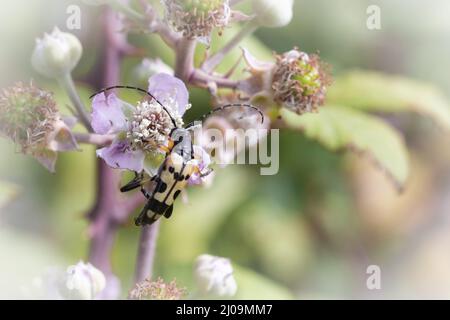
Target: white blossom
point(273, 13)
point(81, 282)
point(214, 276)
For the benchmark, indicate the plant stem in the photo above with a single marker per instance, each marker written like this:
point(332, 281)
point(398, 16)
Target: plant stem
point(211, 63)
point(68, 85)
point(146, 252)
point(104, 215)
point(184, 64)
point(103, 227)
point(201, 78)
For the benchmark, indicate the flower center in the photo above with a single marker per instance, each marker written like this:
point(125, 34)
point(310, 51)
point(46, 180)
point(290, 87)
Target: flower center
point(201, 6)
point(150, 126)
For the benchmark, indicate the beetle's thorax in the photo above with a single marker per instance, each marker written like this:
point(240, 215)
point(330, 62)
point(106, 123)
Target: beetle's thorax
point(183, 143)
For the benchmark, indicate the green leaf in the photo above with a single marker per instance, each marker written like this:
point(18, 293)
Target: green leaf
point(340, 128)
point(375, 91)
point(8, 192)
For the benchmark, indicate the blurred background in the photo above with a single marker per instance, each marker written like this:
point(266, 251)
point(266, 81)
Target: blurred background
point(310, 231)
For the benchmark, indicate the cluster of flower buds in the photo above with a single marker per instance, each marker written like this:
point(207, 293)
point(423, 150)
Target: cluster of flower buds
point(157, 290)
point(30, 118)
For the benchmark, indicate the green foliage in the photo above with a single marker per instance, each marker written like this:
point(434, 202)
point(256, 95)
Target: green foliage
point(8, 192)
point(376, 91)
point(339, 128)
point(252, 285)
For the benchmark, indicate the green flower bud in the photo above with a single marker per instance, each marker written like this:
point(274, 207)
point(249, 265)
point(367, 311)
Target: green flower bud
point(197, 18)
point(300, 81)
point(56, 54)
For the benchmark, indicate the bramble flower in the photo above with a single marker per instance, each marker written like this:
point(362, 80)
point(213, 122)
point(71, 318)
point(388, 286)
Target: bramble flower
point(81, 282)
point(140, 130)
point(157, 290)
point(30, 118)
point(273, 13)
point(56, 54)
point(214, 276)
point(299, 81)
point(197, 18)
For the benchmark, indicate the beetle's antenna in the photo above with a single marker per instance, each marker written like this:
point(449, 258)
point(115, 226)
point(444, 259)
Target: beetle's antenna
point(141, 90)
point(231, 105)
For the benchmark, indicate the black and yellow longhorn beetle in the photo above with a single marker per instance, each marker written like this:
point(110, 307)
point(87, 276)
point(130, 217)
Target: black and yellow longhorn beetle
point(162, 189)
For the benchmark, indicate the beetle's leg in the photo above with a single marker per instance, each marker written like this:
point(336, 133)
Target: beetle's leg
point(133, 184)
point(206, 173)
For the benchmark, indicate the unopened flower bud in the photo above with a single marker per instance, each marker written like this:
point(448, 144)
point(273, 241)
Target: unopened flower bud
point(300, 81)
point(197, 18)
point(214, 276)
point(273, 13)
point(148, 68)
point(30, 118)
point(56, 54)
point(82, 282)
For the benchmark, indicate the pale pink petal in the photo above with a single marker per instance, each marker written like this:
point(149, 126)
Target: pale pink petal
point(108, 114)
point(164, 86)
point(119, 155)
point(204, 160)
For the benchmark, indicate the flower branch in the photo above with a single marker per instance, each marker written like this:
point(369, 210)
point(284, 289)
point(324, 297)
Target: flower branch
point(212, 62)
point(66, 82)
point(99, 140)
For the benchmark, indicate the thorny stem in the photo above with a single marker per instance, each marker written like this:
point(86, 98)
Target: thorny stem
point(202, 79)
point(211, 63)
point(184, 63)
point(110, 209)
point(67, 84)
point(146, 252)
